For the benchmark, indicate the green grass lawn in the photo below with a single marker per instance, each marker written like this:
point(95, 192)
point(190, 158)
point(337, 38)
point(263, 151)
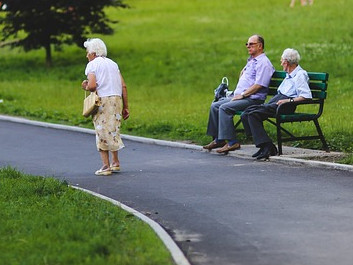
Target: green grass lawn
point(43, 221)
point(173, 54)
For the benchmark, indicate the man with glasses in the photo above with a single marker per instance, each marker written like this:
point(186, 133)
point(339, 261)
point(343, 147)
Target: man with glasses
point(252, 89)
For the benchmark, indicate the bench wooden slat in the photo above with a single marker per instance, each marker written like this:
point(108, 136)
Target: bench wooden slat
point(279, 74)
point(298, 117)
point(319, 94)
point(275, 83)
point(317, 86)
point(318, 76)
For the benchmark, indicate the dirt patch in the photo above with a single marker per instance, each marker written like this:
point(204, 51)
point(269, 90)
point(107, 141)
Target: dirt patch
point(331, 158)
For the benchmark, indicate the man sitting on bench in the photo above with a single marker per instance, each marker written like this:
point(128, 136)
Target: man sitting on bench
point(294, 87)
point(251, 89)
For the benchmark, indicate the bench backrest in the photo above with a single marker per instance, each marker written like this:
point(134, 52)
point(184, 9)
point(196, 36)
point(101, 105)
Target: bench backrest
point(317, 83)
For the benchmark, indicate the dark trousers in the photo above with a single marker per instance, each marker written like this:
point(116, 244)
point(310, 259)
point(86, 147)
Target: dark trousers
point(220, 121)
point(253, 117)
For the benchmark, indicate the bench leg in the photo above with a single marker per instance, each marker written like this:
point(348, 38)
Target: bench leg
point(279, 138)
point(283, 129)
point(322, 138)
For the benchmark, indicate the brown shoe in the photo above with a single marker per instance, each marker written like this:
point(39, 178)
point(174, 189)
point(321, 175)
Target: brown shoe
point(226, 148)
point(213, 145)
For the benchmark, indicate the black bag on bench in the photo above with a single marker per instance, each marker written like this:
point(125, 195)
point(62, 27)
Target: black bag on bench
point(221, 91)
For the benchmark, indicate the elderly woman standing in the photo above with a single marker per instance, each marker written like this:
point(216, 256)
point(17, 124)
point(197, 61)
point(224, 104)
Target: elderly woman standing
point(103, 76)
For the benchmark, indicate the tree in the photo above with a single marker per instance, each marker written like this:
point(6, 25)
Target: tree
point(39, 24)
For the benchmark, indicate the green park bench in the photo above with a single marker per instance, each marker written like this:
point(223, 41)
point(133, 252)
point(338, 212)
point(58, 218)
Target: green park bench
point(318, 86)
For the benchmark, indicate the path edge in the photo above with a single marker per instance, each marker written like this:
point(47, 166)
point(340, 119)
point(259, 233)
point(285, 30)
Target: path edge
point(177, 255)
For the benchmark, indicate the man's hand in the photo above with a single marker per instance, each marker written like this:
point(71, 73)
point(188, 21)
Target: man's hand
point(237, 97)
point(280, 102)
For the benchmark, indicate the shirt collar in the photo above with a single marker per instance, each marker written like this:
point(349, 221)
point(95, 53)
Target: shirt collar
point(294, 72)
point(257, 57)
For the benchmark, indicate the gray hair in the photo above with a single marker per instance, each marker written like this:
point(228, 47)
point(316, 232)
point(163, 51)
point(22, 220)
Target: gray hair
point(96, 46)
point(261, 40)
point(291, 56)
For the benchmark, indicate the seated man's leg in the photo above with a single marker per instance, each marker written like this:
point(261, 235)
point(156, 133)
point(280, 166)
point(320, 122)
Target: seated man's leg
point(254, 116)
point(244, 119)
point(212, 127)
point(226, 130)
point(255, 120)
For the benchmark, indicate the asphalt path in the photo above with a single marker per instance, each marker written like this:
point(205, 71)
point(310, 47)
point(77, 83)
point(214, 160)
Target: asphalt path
point(219, 209)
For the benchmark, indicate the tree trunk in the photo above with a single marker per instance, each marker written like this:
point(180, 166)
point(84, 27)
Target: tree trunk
point(48, 59)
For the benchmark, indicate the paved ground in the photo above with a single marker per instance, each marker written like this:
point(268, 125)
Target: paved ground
point(219, 209)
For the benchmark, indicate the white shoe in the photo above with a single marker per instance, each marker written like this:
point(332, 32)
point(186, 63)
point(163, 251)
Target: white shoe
point(114, 169)
point(103, 172)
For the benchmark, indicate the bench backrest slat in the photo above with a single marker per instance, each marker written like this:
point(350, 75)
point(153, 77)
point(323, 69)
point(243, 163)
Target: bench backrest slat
point(318, 76)
point(274, 83)
point(279, 74)
point(317, 86)
point(319, 94)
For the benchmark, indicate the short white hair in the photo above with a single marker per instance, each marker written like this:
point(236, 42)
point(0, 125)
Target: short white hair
point(96, 46)
point(291, 56)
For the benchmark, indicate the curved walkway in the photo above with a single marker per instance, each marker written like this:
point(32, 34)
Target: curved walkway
point(218, 209)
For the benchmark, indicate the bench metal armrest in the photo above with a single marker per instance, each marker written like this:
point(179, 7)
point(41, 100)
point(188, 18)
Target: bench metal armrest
point(281, 108)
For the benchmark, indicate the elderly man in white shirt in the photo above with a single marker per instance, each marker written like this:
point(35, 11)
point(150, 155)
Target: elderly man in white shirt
point(294, 87)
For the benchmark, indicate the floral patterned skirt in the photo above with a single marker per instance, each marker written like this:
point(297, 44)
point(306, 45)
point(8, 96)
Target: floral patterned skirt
point(107, 123)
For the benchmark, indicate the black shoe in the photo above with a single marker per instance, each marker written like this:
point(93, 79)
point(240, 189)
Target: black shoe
point(269, 150)
point(258, 152)
point(264, 155)
point(274, 150)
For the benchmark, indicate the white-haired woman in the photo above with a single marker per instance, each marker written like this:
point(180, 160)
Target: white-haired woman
point(103, 76)
point(294, 87)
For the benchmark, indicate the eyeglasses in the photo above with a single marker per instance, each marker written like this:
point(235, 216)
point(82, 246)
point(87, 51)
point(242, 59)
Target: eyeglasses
point(251, 43)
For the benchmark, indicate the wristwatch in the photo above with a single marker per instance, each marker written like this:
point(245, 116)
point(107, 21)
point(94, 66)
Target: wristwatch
point(291, 100)
point(242, 94)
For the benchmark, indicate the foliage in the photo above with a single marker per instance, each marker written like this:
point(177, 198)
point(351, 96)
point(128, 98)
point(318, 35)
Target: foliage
point(43, 221)
point(42, 23)
point(347, 160)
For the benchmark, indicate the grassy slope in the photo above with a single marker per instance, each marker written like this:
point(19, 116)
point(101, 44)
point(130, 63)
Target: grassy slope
point(174, 53)
point(43, 221)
